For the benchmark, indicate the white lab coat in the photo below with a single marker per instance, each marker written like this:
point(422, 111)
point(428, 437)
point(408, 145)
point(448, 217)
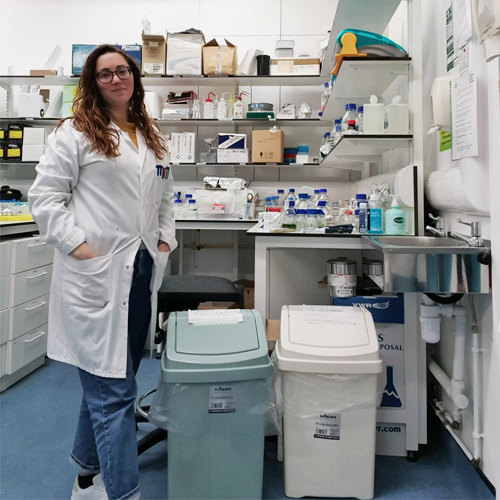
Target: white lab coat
point(113, 205)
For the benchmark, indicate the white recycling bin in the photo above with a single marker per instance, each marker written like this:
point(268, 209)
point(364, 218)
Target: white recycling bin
point(329, 363)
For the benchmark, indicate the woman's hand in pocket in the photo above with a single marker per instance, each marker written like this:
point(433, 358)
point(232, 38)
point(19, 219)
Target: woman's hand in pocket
point(83, 252)
point(163, 247)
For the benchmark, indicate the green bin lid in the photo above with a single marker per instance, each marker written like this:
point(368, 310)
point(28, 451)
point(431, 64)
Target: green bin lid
point(215, 353)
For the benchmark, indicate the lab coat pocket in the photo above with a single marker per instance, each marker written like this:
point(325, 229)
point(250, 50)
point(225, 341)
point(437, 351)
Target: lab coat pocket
point(86, 283)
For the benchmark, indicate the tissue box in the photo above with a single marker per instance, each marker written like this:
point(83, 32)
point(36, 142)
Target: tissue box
point(80, 54)
point(232, 141)
point(309, 66)
point(34, 135)
point(232, 155)
point(267, 146)
point(32, 152)
point(154, 104)
point(184, 53)
point(135, 52)
point(154, 51)
point(219, 59)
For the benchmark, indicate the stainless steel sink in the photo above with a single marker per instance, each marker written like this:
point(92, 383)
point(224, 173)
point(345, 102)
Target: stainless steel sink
point(432, 265)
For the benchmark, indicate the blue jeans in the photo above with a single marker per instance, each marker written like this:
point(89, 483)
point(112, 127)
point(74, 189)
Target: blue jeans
point(106, 438)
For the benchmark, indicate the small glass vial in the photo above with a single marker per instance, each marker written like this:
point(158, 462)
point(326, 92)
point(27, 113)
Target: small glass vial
point(312, 220)
point(301, 220)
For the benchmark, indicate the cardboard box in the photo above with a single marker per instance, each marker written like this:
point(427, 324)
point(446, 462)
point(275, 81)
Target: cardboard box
point(69, 93)
point(80, 55)
point(13, 151)
point(154, 53)
point(15, 132)
point(154, 104)
point(219, 59)
point(248, 287)
point(232, 141)
point(385, 308)
point(188, 153)
point(267, 146)
point(309, 66)
point(135, 52)
point(32, 152)
point(184, 53)
point(30, 105)
point(273, 328)
point(232, 155)
point(43, 72)
point(34, 135)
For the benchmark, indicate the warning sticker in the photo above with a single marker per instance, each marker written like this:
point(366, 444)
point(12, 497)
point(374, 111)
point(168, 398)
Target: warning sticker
point(222, 399)
point(327, 426)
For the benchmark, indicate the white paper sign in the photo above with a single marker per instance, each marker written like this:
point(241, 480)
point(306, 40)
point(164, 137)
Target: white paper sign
point(329, 315)
point(215, 317)
point(222, 399)
point(327, 426)
point(464, 116)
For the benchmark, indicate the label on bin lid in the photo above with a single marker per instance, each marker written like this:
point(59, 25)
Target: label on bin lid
point(215, 317)
point(329, 315)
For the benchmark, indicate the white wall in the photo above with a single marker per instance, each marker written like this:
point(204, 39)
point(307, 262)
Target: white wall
point(475, 175)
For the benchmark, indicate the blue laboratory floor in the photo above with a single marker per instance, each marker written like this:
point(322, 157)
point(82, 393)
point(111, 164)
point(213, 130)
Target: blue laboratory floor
point(38, 418)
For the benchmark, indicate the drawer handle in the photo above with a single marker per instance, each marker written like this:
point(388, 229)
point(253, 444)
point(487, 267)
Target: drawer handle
point(37, 245)
point(37, 276)
point(34, 338)
point(35, 307)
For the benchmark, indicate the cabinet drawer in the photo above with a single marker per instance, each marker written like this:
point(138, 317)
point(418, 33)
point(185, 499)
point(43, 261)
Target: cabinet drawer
point(26, 349)
point(29, 285)
point(4, 293)
point(3, 358)
point(30, 253)
point(28, 316)
point(5, 258)
point(4, 326)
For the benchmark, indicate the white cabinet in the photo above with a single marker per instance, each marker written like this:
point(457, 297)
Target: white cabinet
point(4, 292)
point(4, 258)
point(29, 285)
point(25, 349)
point(4, 329)
point(29, 253)
point(28, 316)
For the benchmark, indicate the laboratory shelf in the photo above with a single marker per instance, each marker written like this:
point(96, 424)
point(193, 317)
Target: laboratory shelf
point(359, 78)
point(176, 81)
point(369, 15)
point(365, 148)
point(331, 165)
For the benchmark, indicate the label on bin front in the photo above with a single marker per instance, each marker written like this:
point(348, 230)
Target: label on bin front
point(328, 426)
point(222, 399)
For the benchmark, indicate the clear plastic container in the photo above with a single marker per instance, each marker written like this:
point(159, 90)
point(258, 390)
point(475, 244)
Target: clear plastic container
point(301, 219)
point(351, 128)
point(337, 135)
point(192, 210)
point(335, 211)
point(178, 209)
point(289, 218)
point(281, 196)
point(321, 213)
point(312, 220)
point(325, 146)
point(315, 198)
point(303, 202)
point(350, 114)
point(186, 203)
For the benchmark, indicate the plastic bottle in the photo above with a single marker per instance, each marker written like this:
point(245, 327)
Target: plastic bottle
point(281, 196)
point(324, 196)
point(315, 198)
point(302, 203)
point(208, 108)
point(268, 204)
point(178, 209)
point(376, 216)
point(359, 121)
point(222, 113)
point(301, 220)
point(230, 107)
point(337, 136)
point(325, 146)
point(321, 214)
point(325, 96)
point(290, 197)
point(356, 221)
point(395, 221)
point(239, 108)
point(363, 217)
point(192, 211)
point(312, 221)
point(289, 218)
point(361, 198)
point(373, 117)
point(397, 118)
point(216, 107)
point(351, 128)
point(186, 204)
point(350, 114)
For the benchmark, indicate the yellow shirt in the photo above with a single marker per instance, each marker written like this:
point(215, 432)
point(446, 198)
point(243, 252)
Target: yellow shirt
point(129, 128)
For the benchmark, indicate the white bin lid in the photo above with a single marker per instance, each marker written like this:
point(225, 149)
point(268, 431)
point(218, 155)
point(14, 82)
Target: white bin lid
point(328, 339)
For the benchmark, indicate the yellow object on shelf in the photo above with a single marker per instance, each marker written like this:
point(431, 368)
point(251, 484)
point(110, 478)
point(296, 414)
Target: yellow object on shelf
point(15, 218)
point(349, 41)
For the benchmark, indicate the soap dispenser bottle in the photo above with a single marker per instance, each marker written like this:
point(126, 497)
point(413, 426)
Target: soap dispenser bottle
point(395, 221)
point(376, 219)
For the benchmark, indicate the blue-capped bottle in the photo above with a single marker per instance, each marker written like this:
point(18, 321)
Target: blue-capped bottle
point(321, 214)
point(301, 219)
point(289, 218)
point(312, 220)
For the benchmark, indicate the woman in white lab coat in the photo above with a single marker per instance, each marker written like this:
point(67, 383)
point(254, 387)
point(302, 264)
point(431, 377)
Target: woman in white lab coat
point(102, 197)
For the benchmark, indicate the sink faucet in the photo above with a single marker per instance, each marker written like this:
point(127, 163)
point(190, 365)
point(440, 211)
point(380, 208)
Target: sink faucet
point(475, 239)
point(439, 229)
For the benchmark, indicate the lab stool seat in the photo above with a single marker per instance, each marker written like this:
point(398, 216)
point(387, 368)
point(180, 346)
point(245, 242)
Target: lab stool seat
point(181, 293)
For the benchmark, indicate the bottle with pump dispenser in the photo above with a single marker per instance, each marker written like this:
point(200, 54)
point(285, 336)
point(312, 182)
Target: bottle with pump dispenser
point(395, 219)
point(373, 117)
point(376, 218)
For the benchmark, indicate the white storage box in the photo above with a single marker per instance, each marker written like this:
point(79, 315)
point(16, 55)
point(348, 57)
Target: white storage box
point(33, 135)
point(329, 364)
point(184, 53)
point(232, 155)
point(33, 152)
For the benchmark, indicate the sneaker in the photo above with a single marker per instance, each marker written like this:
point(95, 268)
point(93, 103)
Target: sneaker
point(95, 492)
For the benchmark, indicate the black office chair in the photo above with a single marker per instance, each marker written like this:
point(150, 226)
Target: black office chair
point(180, 293)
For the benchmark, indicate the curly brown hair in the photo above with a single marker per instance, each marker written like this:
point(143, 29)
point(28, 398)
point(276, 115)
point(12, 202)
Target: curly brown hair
point(92, 118)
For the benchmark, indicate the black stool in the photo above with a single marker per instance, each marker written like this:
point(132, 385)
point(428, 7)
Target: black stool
point(180, 293)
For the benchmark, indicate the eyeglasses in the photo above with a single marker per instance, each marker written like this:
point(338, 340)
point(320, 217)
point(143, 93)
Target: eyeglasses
point(107, 76)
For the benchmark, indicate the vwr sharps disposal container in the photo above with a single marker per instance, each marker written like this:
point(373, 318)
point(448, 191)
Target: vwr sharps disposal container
point(329, 362)
point(213, 398)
